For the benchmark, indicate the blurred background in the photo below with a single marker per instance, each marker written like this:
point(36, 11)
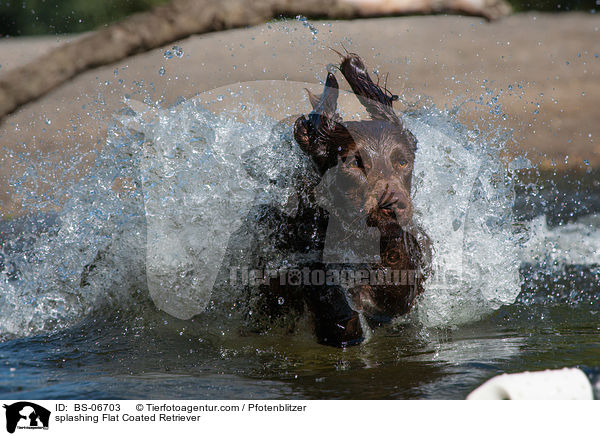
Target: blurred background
point(39, 17)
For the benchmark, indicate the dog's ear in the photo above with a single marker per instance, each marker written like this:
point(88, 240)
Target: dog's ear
point(377, 101)
point(322, 135)
point(314, 99)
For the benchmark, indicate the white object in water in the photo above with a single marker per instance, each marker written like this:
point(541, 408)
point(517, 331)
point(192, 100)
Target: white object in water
point(559, 384)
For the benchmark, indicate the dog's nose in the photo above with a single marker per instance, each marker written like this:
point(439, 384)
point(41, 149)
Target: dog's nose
point(392, 200)
point(401, 203)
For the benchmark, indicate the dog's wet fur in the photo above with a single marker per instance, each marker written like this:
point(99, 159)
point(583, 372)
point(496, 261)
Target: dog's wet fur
point(370, 163)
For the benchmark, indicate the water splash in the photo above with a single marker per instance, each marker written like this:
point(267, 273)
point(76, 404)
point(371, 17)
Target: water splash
point(463, 199)
point(88, 257)
point(175, 51)
point(198, 189)
point(311, 28)
point(154, 214)
point(572, 243)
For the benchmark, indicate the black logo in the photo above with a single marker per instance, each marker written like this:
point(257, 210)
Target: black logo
point(26, 415)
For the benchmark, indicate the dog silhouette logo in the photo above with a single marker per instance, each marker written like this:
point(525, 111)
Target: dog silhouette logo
point(26, 415)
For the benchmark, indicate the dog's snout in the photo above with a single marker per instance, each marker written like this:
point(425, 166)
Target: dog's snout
point(401, 203)
point(386, 195)
point(387, 198)
point(403, 206)
point(388, 206)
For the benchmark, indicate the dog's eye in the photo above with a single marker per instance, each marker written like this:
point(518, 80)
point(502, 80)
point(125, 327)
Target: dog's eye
point(356, 162)
point(401, 163)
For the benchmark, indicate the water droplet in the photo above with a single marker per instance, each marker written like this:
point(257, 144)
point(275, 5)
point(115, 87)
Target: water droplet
point(456, 224)
point(306, 24)
point(161, 72)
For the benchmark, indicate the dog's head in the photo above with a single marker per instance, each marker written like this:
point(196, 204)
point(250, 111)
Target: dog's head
point(369, 162)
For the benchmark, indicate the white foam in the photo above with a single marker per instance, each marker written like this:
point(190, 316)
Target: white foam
point(463, 202)
point(572, 243)
point(198, 189)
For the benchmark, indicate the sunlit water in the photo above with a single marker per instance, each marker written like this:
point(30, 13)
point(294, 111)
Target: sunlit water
point(106, 298)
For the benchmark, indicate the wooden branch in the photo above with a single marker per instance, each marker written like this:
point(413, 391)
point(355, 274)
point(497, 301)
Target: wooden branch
point(182, 18)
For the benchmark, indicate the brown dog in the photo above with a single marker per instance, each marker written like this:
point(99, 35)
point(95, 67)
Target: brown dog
point(372, 163)
point(366, 167)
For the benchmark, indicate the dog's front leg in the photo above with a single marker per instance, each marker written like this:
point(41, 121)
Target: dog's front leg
point(336, 324)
